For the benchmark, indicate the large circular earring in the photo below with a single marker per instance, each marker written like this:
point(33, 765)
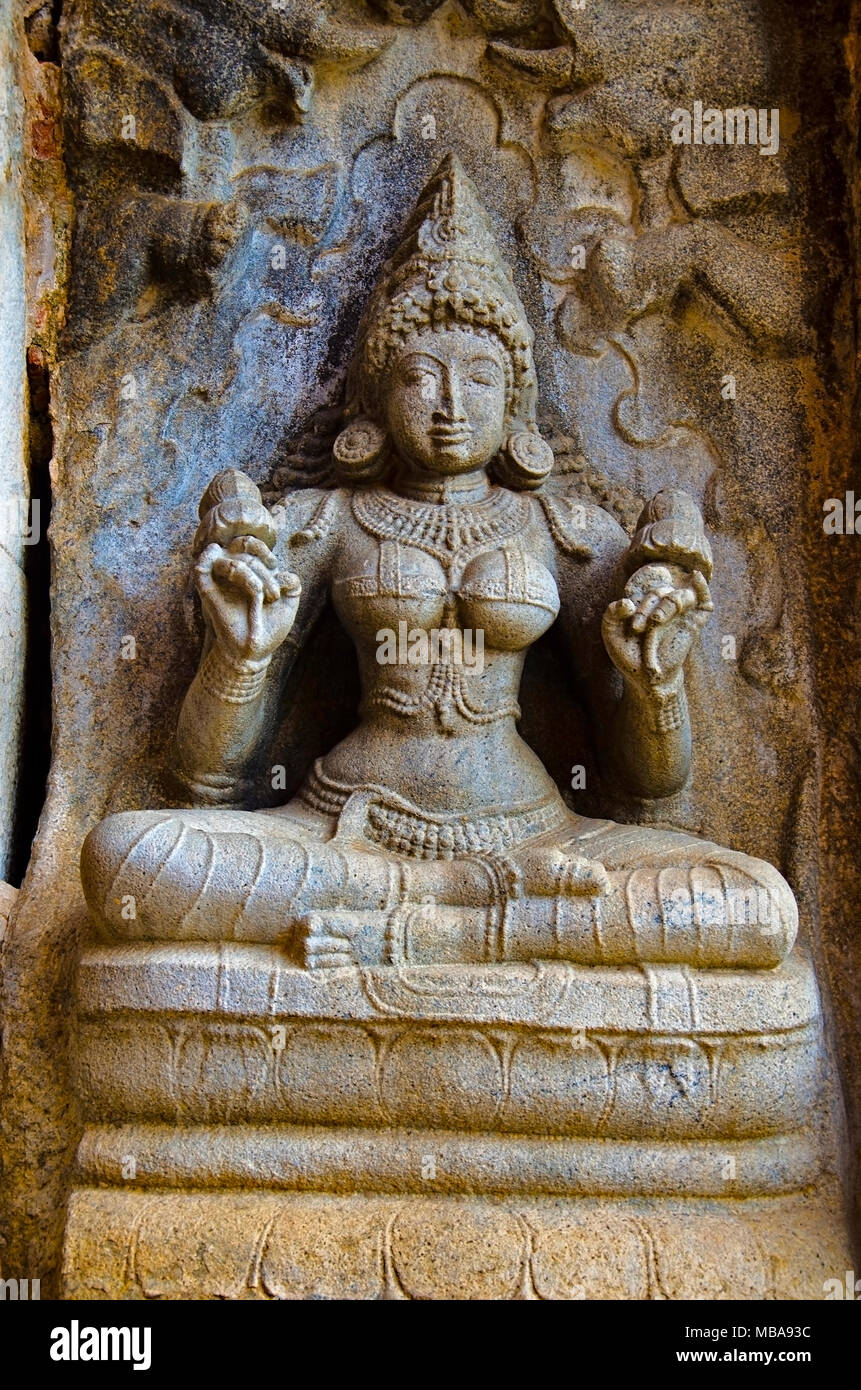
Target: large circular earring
point(360, 450)
point(525, 460)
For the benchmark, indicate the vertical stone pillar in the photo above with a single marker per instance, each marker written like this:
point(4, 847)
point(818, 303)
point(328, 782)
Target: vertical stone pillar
point(14, 494)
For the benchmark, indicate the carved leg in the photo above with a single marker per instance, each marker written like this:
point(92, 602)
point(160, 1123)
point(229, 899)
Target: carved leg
point(222, 875)
point(619, 895)
point(669, 897)
point(614, 895)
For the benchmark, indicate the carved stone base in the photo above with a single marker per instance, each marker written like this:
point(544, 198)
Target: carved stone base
point(341, 1158)
point(195, 1035)
point(255, 1130)
point(258, 1245)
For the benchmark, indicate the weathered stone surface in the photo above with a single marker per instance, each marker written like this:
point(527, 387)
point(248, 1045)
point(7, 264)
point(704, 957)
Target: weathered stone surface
point(256, 1245)
point(14, 488)
point(490, 866)
point(231, 1035)
point(240, 175)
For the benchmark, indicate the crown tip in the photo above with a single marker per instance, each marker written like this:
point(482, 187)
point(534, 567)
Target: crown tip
point(449, 164)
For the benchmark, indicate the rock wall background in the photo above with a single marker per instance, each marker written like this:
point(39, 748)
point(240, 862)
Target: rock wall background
point(13, 439)
point(238, 171)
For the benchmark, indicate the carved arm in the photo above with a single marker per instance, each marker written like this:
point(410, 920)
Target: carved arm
point(250, 606)
point(648, 634)
point(641, 605)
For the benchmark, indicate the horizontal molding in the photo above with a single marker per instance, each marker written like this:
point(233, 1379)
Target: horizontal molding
point(318, 1159)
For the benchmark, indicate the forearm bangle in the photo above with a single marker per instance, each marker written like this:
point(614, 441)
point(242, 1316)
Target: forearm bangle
point(233, 682)
point(669, 710)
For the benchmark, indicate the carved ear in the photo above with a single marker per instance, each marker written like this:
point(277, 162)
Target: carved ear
point(361, 450)
point(525, 461)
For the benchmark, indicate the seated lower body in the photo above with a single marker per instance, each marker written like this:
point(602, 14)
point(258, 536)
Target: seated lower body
point(363, 877)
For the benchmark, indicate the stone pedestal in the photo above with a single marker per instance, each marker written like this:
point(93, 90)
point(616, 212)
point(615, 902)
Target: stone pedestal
point(254, 1130)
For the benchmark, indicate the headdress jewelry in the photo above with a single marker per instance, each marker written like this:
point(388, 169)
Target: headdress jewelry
point(447, 270)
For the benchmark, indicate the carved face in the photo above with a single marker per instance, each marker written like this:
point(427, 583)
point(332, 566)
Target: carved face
point(445, 401)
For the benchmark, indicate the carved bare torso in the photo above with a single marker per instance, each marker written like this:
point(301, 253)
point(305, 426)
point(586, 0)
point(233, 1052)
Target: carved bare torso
point(442, 604)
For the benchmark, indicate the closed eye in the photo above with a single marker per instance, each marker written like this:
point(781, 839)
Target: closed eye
point(417, 377)
point(484, 371)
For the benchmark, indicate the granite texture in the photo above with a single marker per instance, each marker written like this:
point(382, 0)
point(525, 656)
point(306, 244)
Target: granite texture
point(694, 327)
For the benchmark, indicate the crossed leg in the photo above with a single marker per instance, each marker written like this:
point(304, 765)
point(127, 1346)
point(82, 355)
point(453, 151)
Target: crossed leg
point(596, 892)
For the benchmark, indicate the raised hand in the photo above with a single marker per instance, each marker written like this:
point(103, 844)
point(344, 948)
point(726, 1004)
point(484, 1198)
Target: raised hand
point(250, 606)
point(649, 632)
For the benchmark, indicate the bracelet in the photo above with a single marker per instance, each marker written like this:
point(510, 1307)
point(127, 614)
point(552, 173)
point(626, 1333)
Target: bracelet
point(212, 789)
point(235, 683)
point(670, 710)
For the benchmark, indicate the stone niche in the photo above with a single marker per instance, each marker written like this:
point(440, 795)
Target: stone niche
point(203, 196)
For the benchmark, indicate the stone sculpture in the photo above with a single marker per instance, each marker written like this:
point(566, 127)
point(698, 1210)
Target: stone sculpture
point(365, 991)
point(423, 1031)
point(432, 834)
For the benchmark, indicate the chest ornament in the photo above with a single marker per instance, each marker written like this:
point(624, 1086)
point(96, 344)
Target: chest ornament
point(441, 528)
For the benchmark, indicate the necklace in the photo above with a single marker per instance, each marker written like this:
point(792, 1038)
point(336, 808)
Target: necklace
point(441, 528)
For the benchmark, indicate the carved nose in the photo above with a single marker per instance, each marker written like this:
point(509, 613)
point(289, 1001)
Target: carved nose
point(451, 409)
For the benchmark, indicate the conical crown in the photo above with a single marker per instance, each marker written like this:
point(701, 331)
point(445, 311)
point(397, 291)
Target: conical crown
point(449, 223)
point(447, 269)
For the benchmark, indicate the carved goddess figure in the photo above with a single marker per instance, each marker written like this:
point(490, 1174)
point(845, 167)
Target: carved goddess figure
point(432, 833)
